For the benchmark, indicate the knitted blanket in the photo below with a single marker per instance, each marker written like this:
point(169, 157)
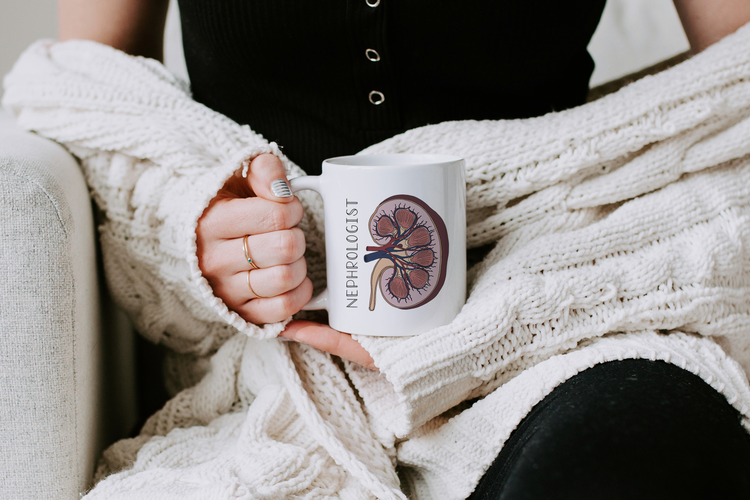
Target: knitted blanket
point(620, 231)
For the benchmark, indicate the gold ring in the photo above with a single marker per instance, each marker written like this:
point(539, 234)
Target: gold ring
point(249, 259)
point(251, 286)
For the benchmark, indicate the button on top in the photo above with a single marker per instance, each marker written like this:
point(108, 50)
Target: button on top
point(372, 55)
point(376, 97)
point(372, 3)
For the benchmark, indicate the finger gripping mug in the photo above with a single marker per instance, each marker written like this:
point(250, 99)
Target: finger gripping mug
point(395, 229)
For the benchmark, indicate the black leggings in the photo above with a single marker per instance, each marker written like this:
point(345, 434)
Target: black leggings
point(632, 429)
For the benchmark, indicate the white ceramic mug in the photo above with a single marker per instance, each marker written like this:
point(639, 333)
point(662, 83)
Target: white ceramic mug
point(395, 235)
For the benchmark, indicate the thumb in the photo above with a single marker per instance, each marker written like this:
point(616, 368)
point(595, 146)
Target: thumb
point(267, 178)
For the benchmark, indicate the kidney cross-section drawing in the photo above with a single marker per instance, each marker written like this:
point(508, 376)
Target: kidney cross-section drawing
point(411, 252)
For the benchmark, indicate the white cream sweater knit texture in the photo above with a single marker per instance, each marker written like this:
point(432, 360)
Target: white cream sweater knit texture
point(622, 230)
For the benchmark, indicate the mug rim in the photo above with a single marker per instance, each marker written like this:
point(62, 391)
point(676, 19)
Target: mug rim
point(401, 160)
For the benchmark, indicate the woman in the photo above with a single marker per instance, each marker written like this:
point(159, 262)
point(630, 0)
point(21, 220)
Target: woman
point(585, 435)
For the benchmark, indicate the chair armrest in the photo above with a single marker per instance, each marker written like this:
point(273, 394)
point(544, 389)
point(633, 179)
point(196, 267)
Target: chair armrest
point(52, 348)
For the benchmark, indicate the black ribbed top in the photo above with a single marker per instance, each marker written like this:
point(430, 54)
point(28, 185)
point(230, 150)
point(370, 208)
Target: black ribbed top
point(300, 73)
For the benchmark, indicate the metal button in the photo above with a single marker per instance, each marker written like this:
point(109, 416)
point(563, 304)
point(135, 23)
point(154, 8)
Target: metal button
point(372, 4)
point(372, 55)
point(376, 97)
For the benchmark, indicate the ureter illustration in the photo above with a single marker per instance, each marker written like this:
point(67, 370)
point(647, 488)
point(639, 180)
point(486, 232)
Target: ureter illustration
point(377, 272)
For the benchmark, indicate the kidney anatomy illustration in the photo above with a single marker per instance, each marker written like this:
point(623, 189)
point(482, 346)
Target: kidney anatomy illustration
point(411, 252)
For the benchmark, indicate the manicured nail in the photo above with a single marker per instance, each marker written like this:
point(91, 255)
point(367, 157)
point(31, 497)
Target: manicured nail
point(280, 188)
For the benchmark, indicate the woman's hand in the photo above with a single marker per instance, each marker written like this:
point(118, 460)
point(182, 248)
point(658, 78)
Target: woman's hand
point(327, 339)
point(248, 206)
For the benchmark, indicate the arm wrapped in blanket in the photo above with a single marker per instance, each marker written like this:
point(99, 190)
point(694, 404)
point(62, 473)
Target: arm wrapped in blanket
point(154, 159)
point(625, 214)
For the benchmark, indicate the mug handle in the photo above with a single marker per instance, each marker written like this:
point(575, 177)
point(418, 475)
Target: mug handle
point(311, 182)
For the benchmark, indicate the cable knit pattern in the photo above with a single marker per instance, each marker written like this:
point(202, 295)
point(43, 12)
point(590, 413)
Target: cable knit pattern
point(620, 227)
point(153, 159)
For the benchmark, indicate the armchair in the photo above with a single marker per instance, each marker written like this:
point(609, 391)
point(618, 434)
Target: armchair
point(66, 353)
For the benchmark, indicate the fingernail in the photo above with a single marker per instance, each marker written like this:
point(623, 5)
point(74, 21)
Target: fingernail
point(280, 188)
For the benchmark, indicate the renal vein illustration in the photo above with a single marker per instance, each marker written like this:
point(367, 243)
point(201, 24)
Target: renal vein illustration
point(411, 250)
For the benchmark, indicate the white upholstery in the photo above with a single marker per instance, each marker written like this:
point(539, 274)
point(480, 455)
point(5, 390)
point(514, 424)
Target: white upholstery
point(57, 357)
point(635, 34)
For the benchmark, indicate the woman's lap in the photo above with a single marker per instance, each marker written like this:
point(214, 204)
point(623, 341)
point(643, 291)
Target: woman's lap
point(625, 429)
